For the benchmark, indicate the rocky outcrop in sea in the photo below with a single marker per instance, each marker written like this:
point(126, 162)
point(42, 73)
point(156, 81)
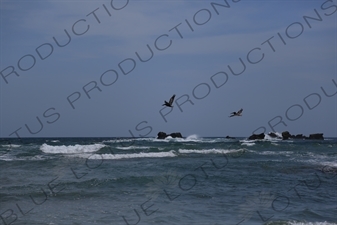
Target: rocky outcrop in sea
point(163, 135)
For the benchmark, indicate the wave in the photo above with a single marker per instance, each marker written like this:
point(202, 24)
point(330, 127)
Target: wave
point(330, 164)
point(194, 138)
point(24, 158)
point(299, 223)
point(259, 152)
point(322, 163)
point(312, 223)
point(190, 138)
point(210, 151)
point(133, 147)
point(248, 143)
point(266, 139)
point(171, 153)
point(133, 155)
point(11, 146)
point(70, 149)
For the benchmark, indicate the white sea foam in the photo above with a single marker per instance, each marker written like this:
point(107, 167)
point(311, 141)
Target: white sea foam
point(317, 159)
point(287, 153)
point(248, 143)
point(70, 149)
point(311, 223)
point(192, 138)
point(209, 151)
point(330, 164)
point(318, 162)
point(268, 137)
point(131, 156)
point(133, 147)
point(25, 158)
point(260, 140)
point(168, 139)
point(15, 146)
point(6, 158)
point(11, 146)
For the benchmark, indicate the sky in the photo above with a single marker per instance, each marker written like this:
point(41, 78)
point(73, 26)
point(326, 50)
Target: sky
point(104, 68)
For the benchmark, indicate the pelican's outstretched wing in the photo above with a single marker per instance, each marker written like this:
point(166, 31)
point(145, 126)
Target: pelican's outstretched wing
point(172, 99)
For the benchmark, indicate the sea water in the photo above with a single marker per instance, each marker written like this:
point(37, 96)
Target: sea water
point(192, 180)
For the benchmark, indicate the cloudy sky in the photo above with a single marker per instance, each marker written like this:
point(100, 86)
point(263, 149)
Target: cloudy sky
point(104, 68)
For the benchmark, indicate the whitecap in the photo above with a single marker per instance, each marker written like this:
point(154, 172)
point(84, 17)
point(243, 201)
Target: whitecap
point(209, 151)
point(193, 137)
point(133, 147)
point(190, 138)
point(311, 223)
point(70, 149)
point(248, 143)
point(131, 156)
point(11, 146)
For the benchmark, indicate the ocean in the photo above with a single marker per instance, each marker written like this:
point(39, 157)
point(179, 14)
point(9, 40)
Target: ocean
point(191, 180)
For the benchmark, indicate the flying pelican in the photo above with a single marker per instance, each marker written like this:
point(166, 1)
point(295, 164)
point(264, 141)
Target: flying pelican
point(169, 104)
point(238, 113)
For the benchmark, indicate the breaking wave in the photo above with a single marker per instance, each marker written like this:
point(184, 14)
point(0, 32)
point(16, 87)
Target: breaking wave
point(71, 149)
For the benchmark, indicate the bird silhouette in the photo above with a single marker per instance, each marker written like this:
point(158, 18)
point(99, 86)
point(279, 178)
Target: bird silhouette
point(169, 104)
point(238, 113)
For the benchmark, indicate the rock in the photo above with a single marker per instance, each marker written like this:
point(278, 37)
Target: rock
point(286, 135)
point(228, 137)
point(317, 136)
point(273, 135)
point(298, 136)
point(176, 135)
point(256, 136)
point(163, 135)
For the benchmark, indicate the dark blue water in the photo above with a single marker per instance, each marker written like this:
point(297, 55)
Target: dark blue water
point(192, 180)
